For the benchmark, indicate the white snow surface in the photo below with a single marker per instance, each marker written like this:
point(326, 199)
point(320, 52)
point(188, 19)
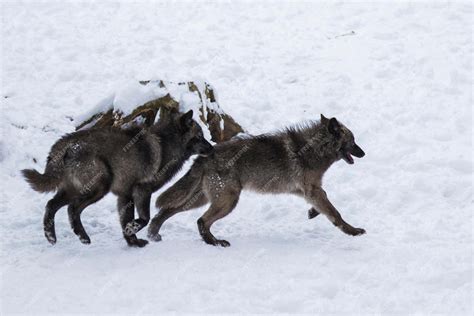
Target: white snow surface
point(402, 82)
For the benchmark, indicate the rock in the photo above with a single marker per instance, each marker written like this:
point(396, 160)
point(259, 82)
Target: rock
point(140, 104)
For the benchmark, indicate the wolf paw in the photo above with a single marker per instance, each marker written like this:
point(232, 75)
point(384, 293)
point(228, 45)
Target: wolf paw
point(133, 241)
point(85, 240)
point(222, 243)
point(51, 237)
point(139, 243)
point(156, 237)
point(354, 231)
point(131, 228)
point(312, 213)
point(359, 231)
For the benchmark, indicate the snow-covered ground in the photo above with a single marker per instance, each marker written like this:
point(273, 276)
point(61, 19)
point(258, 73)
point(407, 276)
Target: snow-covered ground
point(402, 81)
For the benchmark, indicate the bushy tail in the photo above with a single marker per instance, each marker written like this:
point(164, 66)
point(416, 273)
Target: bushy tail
point(41, 182)
point(183, 190)
point(54, 171)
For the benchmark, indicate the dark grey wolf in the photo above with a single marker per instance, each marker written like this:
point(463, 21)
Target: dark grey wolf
point(132, 163)
point(292, 161)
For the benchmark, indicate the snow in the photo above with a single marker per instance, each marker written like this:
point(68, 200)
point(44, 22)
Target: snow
point(402, 83)
point(134, 94)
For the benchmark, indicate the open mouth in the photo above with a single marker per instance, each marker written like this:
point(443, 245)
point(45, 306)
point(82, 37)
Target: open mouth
point(347, 157)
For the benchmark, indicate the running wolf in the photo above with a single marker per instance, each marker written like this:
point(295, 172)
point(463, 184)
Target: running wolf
point(291, 161)
point(132, 163)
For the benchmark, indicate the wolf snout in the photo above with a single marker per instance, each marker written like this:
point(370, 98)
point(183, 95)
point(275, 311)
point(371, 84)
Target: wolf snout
point(357, 152)
point(205, 149)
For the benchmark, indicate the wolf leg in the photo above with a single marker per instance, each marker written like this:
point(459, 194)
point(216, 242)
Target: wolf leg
point(198, 199)
point(141, 198)
point(53, 205)
point(317, 196)
point(126, 207)
point(216, 211)
point(75, 209)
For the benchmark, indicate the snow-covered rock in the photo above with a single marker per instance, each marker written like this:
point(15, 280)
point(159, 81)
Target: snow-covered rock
point(143, 102)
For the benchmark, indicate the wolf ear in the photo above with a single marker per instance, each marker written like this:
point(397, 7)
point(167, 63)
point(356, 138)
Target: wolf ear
point(324, 119)
point(186, 119)
point(334, 127)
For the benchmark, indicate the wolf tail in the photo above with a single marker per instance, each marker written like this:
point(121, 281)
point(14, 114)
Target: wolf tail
point(182, 191)
point(41, 182)
point(52, 177)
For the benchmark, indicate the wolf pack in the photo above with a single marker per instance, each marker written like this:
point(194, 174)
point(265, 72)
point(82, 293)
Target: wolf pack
point(133, 163)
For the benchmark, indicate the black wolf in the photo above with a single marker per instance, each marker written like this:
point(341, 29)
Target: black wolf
point(292, 161)
point(132, 163)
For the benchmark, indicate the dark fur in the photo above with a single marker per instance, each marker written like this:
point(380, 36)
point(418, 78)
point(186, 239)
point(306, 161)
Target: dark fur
point(292, 161)
point(132, 163)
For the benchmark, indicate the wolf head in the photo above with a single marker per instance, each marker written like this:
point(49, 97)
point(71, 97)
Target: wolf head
point(344, 140)
point(192, 136)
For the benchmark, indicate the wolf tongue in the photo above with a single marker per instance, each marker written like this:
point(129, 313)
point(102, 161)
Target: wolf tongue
point(349, 157)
